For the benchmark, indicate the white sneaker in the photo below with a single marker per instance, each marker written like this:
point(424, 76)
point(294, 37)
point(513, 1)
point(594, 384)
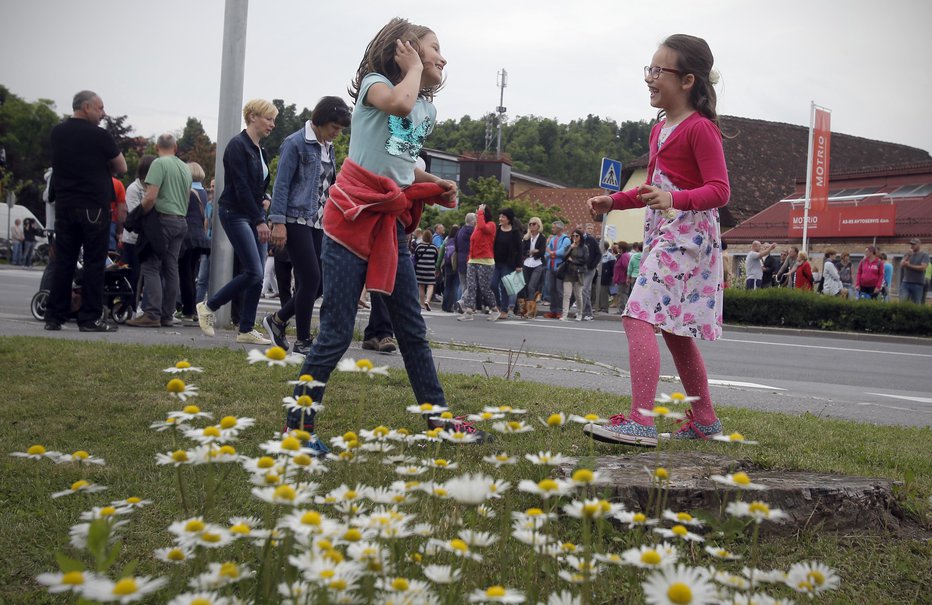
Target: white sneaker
point(252, 338)
point(205, 319)
point(465, 316)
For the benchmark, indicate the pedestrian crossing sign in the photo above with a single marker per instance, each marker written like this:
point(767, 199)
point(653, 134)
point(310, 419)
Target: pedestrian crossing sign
point(610, 175)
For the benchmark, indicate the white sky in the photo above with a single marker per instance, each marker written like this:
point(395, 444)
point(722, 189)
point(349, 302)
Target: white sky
point(159, 62)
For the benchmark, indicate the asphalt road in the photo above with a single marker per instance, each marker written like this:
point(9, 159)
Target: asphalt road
point(884, 380)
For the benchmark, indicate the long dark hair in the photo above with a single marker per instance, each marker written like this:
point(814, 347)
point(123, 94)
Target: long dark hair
point(380, 55)
point(695, 57)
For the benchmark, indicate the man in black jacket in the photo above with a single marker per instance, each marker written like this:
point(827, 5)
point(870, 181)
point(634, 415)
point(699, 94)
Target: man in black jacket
point(595, 257)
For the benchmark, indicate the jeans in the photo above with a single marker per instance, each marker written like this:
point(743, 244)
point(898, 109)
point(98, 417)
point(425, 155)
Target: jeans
point(533, 280)
point(245, 242)
point(451, 289)
point(380, 323)
point(587, 278)
point(28, 249)
point(752, 284)
point(556, 294)
point(303, 246)
point(135, 270)
point(17, 253)
point(203, 278)
point(188, 266)
point(911, 291)
point(504, 300)
point(76, 228)
point(160, 273)
point(344, 278)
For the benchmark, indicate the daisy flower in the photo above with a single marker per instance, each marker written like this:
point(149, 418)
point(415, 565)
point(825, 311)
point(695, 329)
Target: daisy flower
point(63, 582)
point(427, 408)
point(756, 510)
point(205, 436)
point(676, 398)
point(36, 452)
point(503, 409)
point(461, 437)
point(381, 433)
point(485, 416)
point(363, 365)
point(532, 518)
point(283, 494)
point(583, 476)
point(455, 546)
point(213, 537)
point(729, 579)
point(679, 531)
point(200, 598)
point(188, 412)
point(174, 554)
point(164, 425)
point(682, 518)
point(219, 575)
point(734, 438)
point(812, 578)
point(496, 594)
point(512, 426)
point(230, 426)
point(125, 590)
point(288, 445)
point(81, 486)
point(475, 489)
point(182, 366)
point(588, 419)
point(721, 553)
point(441, 463)
point(562, 598)
point(554, 420)
point(633, 519)
point(591, 509)
point(547, 488)
point(477, 538)
point(307, 381)
point(406, 590)
point(177, 388)
point(302, 402)
point(740, 480)
point(651, 556)
point(441, 574)
point(77, 534)
point(104, 512)
point(546, 459)
point(79, 457)
point(500, 460)
point(131, 502)
point(679, 585)
point(661, 411)
point(176, 458)
point(274, 356)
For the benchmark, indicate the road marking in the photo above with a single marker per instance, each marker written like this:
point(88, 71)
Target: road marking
point(749, 385)
point(892, 407)
point(845, 349)
point(904, 397)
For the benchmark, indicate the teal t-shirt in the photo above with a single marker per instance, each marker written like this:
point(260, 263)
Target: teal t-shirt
point(173, 178)
point(385, 144)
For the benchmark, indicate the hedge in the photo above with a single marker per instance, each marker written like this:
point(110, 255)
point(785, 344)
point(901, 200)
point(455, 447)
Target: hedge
point(790, 308)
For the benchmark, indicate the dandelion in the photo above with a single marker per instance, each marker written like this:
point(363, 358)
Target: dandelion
point(757, 510)
point(679, 531)
point(63, 582)
point(36, 452)
point(427, 408)
point(188, 412)
point(274, 356)
point(591, 509)
point(363, 365)
point(554, 420)
point(441, 574)
point(588, 419)
point(512, 427)
point(200, 598)
point(547, 488)
point(125, 590)
point(651, 556)
point(81, 486)
point(174, 555)
point(303, 403)
point(503, 409)
point(740, 480)
point(496, 594)
point(307, 381)
point(660, 411)
point(812, 578)
point(546, 459)
point(79, 457)
point(177, 388)
point(182, 366)
point(683, 518)
point(721, 553)
point(679, 585)
point(734, 438)
point(499, 460)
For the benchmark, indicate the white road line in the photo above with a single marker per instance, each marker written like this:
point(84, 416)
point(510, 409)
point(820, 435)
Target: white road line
point(904, 397)
point(892, 407)
point(845, 349)
point(748, 385)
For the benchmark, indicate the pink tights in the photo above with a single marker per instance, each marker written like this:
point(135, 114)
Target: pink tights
point(644, 357)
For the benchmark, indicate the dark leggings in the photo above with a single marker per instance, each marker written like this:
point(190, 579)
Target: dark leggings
point(303, 245)
point(187, 279)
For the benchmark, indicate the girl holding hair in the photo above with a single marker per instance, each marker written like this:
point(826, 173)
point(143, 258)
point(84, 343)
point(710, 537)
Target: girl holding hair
point(678, 288)
point(376, 200)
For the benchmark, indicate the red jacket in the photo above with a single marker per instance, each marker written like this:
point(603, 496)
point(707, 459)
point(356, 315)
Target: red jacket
point(361, 216)
point(482, 240)
point(804, 278)
point(693, 158)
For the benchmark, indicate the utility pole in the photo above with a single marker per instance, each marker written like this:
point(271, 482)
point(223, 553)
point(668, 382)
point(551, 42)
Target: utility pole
point(502, 82)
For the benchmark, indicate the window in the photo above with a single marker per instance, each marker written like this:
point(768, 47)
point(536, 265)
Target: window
point(921, 190)
point(445, 169)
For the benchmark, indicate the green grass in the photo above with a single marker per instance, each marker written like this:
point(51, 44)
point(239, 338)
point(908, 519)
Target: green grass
point(101, 398)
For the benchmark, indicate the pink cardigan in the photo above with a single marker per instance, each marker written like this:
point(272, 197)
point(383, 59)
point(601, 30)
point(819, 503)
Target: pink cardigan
point(693, 159)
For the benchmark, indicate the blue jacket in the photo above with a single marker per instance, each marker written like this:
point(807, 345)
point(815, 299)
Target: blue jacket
point(243, 187)
point(297, 183)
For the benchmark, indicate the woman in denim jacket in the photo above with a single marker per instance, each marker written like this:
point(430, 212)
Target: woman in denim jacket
point(306, 168)
point(242, 214)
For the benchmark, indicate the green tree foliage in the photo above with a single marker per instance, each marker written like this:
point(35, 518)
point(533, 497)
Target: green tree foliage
point(24, 134)
point(287, 122)
point(195, 146)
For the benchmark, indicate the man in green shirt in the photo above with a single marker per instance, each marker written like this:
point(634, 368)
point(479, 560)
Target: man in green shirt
point(168, 185)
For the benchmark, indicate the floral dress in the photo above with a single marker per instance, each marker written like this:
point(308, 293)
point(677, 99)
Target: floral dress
point(679, 285)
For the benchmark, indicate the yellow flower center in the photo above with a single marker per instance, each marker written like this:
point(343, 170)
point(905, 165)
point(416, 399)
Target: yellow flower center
point(679, 530)
point(380, 431)
point(299, 434)
point(272, 479)
point(285, 492)
point(548, 485)
point(80, 455)
point(680, 593)
point(276, 353)
point(302, 460)
point(448, 415)
point(364, 365)
point(350, 436)
point(605, 506)
point(175, 385)
point(554, 420)
point(723, 553)
point(804, 585)
point(191, 409)
point(241, 529)
point(591, 509)
point(741, 478)
point(73, 578)
point(265, 462)
point(201, 601)
point(426, 407)
point(36, 450)
point(350, 495)
point(568, 547)
point(183, 364)
point(291, 444)
point(495, 591)
point(661, 410)
point(759, 508)
point(591, 417)
point(194, 525)
point(440, 492)
point(486, 415)
point(650, 557)
point(337, 585)
point(229, 570)
point(352, 535)
point(661, 473)
point(175, 554)
point(228, 450)
point(228, 422)
point(533, 512)
point(677, 397)
point(736, 437)
point(180, 456)
point(211, 431)
point(457, 544)
point(126, 586)
point(404, 431)
point(210, 537)
point(639, 518)
point(434, 433)
point(305, 378)
point(107, 511)
point(79, 484)
point(684, 517)
point(171, 420)
point(816, 577)
point(502, 457)
point(400, 584)
point(514, 425)
point(311, 518)
point(133, 500)
point(441, 462)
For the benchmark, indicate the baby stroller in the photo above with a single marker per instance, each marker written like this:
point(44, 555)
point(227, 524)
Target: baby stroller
point(118, 293)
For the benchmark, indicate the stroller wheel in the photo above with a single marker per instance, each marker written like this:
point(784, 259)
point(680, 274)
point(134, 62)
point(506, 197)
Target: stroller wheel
point(39, 302)
point(121, 312)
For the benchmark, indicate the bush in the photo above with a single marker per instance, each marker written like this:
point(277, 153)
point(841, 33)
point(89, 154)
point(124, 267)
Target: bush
point(790, 308)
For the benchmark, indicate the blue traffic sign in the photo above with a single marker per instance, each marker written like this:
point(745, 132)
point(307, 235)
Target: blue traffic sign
point(610, 175)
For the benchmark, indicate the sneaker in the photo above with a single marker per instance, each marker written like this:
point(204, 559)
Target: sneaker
point(52, 325)
point(458, 307)
point(98, 326)
point(579, 317)
point(587, 318)
point(458, 425)
point(275, 330)
point(623, 431)
point(205, 318)
point(371, 344)
point(693, 430)
point(467, 315)
point(302, 347)
point(387, 345)
point(316, 444)
point(252, 338)
point(495, 316)
point(168, 323)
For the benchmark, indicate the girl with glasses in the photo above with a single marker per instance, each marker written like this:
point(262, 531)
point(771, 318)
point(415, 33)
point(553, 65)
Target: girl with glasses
point(678, 288)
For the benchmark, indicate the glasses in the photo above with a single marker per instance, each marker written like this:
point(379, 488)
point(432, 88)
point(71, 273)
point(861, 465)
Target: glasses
point(654, 72)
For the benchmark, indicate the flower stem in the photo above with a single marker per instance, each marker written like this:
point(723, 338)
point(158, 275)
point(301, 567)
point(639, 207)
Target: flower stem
point(181, 489)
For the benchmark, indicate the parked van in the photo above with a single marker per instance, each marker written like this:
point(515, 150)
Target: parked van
point(8, 216)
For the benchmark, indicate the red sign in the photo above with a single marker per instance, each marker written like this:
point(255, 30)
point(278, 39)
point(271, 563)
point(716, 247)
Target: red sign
point(845, 221)
point(818, 158)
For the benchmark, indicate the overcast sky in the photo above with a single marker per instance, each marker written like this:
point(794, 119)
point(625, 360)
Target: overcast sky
point(159, 62)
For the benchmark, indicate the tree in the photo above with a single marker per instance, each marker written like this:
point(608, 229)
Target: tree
point(24, 134)
point(195, 146)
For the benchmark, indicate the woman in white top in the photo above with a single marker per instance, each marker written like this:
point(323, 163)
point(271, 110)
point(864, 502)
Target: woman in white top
point(533, 249)
point(831, 281)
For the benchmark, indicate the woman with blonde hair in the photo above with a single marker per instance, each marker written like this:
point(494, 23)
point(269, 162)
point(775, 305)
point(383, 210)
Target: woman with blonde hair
point(533, 248)
point(804, 277)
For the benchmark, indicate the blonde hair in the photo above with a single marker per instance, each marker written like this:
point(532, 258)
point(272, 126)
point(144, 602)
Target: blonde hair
point(802, 256)
point(259, 107)
point(533, 220)
point(197, 172)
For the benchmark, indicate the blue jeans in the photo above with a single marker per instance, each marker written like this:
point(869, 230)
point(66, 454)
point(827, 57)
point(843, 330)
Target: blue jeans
point(344, 278)
point(910, 291)
point(245, 242)
point(203, 278)
point(504, 300)
point(17, 253)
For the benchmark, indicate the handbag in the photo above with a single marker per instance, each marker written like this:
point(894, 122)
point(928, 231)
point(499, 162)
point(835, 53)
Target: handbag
point(514, 282)
point(561, 271)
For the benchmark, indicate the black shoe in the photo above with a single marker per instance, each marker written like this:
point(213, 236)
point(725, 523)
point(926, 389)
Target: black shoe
point(275, 330)
point(53, 326)
point(97, 326)
point(371, 344)
point(302, 347)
